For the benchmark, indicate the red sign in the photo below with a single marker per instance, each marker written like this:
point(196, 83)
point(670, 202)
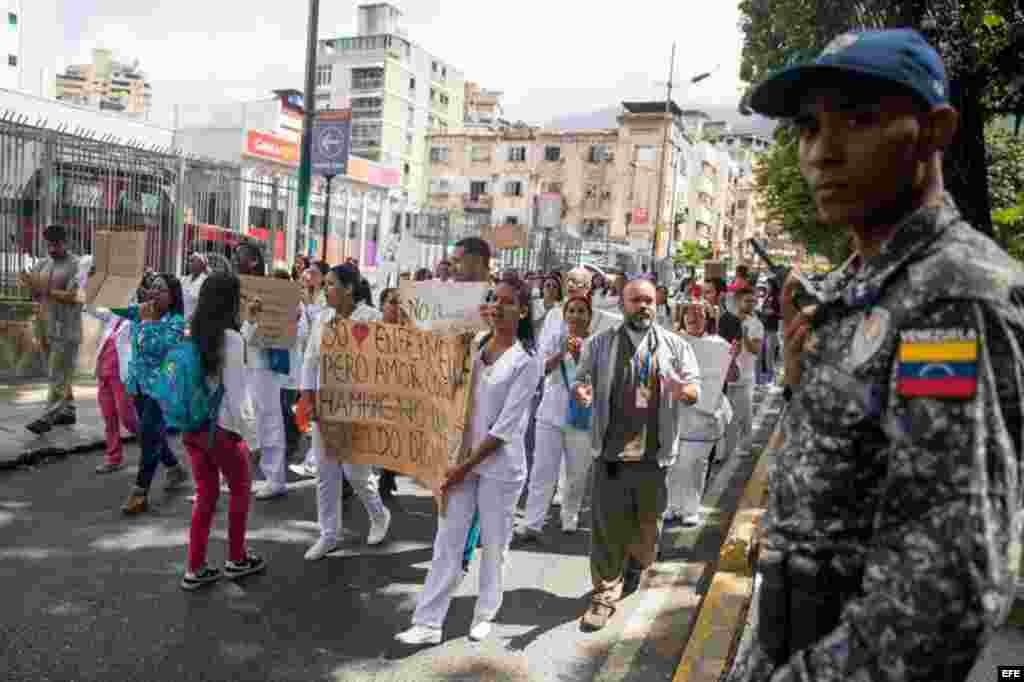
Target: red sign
point(640, 216)
point(272, 147)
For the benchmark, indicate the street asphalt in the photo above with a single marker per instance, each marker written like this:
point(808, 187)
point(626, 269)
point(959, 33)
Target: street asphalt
point(92, 595)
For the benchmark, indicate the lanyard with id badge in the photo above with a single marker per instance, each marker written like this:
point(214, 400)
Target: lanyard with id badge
point(645, 375)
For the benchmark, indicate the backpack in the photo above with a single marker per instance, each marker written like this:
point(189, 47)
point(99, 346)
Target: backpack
point(181, 389)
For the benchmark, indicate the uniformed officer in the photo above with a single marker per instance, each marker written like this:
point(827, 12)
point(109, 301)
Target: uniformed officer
point(887, 546)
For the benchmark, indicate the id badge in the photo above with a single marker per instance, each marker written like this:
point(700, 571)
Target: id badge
point(643, 397)
point(634, 450)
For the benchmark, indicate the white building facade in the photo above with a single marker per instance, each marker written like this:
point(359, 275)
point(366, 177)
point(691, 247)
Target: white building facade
point(29, 36)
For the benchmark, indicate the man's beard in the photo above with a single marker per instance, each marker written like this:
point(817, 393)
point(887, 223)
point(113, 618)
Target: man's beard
point(638, 322)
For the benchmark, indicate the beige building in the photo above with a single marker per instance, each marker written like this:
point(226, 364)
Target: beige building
point(106, 84)
point(482, 107)
point(607, 179)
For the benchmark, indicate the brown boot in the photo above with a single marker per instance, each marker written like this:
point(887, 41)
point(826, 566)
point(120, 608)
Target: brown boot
point(136, 503)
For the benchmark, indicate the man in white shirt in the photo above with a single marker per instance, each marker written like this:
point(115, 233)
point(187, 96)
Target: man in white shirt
point(741, 391)
point(192, 283)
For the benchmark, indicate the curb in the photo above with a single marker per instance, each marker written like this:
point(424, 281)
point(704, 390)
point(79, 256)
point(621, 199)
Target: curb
point(33, 456)
point(723, 611)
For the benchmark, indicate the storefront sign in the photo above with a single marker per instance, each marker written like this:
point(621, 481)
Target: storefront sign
point(273, 147)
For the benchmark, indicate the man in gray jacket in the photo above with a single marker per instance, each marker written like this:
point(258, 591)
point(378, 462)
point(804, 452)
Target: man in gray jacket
point(640, 380)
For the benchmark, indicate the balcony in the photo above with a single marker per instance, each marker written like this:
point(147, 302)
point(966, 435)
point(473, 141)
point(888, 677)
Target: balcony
point(477, 201)
point(367, 84)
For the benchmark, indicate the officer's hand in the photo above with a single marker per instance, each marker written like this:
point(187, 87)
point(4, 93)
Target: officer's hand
point(796, 329)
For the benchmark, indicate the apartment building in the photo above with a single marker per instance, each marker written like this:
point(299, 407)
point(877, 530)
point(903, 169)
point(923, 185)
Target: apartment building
point(397, 90)
point(482, 107)
point(106, 84)
point(607, 179)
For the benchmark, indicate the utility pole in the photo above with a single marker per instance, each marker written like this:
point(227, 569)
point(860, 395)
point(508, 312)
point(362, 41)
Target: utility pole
point(664, 155)
point(309, 111)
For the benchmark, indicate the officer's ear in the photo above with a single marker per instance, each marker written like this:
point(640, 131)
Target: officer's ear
point(938, 128)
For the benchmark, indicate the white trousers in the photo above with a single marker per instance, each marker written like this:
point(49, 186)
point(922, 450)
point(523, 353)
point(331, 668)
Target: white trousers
point(496, 501)
point(687, 476)
point(557, 449)
point(265, 393)
point(329, 475)
point(742, 398)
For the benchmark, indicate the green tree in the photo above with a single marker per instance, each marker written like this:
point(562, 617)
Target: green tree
point(981, 41)
point(692, 254)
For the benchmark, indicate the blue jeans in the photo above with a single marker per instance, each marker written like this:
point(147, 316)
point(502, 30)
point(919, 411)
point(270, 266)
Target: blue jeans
point(153, 439)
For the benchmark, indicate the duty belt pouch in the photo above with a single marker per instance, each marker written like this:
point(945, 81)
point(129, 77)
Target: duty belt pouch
point(814, 600)
point(773, 606)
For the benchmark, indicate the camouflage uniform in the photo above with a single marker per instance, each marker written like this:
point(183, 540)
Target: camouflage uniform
point(890, 539)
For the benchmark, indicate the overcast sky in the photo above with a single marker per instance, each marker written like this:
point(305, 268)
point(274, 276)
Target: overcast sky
point(550, 57)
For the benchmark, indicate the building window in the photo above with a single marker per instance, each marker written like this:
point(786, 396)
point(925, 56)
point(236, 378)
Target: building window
point(323, 75)
point(517, 154)
point(514, 188)
point(599, 152)
point(12, 60)
point(442, 186)
point(433, 66)
point(412, 85)
point(480, 153)
point(439, 154)
point(511, 220)
point(552, 153)
point(12, 20)
point(476, 188)
point(554, 187)
point(367, 107)
point(368, 78)
point(646, 153)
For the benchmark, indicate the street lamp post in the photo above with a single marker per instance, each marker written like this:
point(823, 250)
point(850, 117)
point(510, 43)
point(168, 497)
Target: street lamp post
point(309, 109)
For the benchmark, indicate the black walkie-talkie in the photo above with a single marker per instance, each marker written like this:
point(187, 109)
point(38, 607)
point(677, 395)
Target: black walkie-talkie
point(805, 295)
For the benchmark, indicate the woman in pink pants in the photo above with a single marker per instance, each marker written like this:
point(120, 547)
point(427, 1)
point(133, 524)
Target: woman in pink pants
point(112, 357)
point(214, 329)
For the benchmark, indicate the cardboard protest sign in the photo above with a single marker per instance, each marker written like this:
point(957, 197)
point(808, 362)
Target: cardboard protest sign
point(445, 307)
point(713, 358)
point(393, 396)
point(119, 257)
point(278, 319)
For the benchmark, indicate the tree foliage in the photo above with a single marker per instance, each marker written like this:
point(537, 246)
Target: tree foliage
point(981, 42)
point(691, 253)
point(789, 205)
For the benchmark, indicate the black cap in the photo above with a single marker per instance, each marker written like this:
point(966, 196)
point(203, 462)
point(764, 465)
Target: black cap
point(55, 233)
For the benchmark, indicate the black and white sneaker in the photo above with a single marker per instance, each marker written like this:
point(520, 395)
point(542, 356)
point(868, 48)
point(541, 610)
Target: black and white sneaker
point(204, 576)
point(247, 566)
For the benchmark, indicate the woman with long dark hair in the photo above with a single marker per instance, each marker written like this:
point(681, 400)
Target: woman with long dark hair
point(214, 330)
point(159, 326)
point(268, 368)
point(506, 370)
point(343, 302)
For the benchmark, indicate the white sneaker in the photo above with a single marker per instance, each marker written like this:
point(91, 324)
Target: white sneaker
point(556, 501)
point(379, 529)
point(479, 632)
point(570, 525)
point(302, 470)
point(322, 548)
point(420, 634)
point(268, 493)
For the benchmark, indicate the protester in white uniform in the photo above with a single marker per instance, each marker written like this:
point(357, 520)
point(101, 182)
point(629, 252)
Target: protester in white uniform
point(664, 316)
point(559, 441)
point(705, 424)
point(343, 302)
point(505, 374)
point(741, 391)
point(192, 283)
point(313, 303)
point(268, 368)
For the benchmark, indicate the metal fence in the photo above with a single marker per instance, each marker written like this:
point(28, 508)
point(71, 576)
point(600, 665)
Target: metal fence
point(185, 203)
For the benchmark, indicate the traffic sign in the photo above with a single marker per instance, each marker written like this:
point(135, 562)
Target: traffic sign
point(332, 132)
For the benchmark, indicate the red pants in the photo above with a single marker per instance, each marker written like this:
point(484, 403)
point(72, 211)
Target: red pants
point(229, 456)
point(117, 409)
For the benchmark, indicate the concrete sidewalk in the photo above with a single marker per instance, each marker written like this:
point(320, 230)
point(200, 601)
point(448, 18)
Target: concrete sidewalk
point(21, 404)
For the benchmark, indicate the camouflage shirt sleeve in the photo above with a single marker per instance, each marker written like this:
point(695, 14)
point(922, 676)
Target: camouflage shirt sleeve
point(938, 573)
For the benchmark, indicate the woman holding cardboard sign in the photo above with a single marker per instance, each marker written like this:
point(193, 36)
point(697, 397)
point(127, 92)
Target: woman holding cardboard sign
point(344, 301)
point(506, 370)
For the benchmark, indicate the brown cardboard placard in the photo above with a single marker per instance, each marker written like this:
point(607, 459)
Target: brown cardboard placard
point(279, 317)
point(394, 396)
point(119, 259)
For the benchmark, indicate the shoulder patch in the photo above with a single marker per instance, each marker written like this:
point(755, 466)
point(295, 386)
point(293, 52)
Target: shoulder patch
point(938, 363)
